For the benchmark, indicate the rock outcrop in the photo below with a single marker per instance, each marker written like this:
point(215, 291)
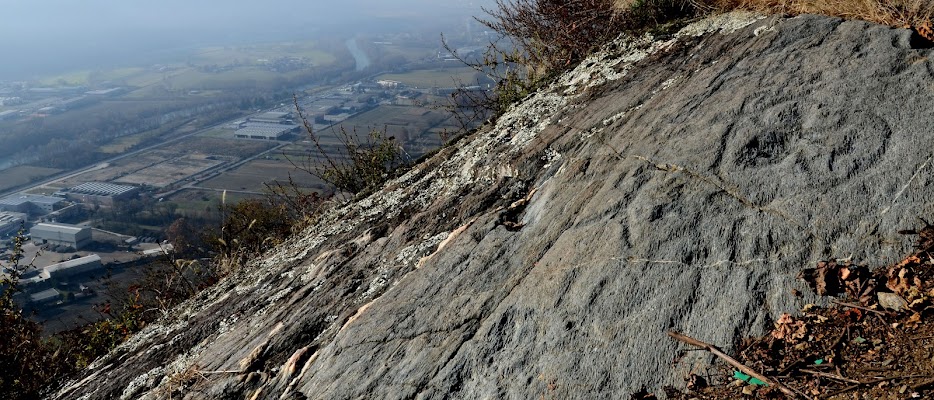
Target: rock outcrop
point(676, 183)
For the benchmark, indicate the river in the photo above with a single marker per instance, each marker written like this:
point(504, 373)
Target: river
point(359, 55)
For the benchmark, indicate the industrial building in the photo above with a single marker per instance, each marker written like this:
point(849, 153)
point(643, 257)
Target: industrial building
point(61, 234)
point(11, 222)
point(105, 92)
point(101, 193)
point(31, 204)
point(272, 117)
point(264, 131)
point(70, 268)
point(63, 270)
point(48, 296)
point(8, 114)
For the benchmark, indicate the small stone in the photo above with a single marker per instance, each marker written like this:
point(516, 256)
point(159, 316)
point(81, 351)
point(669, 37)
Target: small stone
point(749, 390)
point(891, 301)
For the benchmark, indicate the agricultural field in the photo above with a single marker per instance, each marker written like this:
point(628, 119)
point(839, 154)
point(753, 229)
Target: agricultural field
point(436, 77)
point(251, 54)
point(417, 128)
point(221, 147)
point(252, 176)
point(218, 133)
point(123, 144)
point(171, 170)
point(142, 76)
point(21, 175)
point(202, 202)
point(236, 78)
point(117, 169)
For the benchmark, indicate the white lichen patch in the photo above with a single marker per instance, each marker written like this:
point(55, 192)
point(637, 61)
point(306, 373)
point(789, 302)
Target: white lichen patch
point(308, 273)
point(670, 82)
point(280, 294)
point(226, 324)
point(142, 382)
point(145, 338)
point(724, 23)
point(410, 255)
point(379, 282)
point(550, 157)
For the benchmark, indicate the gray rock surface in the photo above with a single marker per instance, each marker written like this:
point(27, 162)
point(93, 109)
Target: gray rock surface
point(668, 184)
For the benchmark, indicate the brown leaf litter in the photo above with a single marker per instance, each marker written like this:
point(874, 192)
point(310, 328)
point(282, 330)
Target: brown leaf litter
point(875, 340)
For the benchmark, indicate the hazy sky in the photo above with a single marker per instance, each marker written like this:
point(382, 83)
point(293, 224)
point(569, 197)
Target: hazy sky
point(39, 36)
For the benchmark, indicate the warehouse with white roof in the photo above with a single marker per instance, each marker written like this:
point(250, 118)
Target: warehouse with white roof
point(61, 234)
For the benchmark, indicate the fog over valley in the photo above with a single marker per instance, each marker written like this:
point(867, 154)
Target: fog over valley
point(57, 36)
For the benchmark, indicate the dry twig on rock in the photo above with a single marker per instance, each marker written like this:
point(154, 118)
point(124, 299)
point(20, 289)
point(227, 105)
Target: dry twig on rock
point(730, 360)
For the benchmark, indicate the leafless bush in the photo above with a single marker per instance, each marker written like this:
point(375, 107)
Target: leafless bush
point(357, 164)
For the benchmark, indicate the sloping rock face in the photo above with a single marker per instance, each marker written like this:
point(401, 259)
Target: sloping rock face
point(669, 184)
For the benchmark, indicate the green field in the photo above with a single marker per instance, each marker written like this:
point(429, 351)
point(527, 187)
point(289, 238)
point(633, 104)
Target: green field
point(223, 55)
point(409, 52)
point(194, 202)
point(74, 78)
point(221, 147)
point(427, 78)
point(252, 176)
point(412, 126)
point(23, 174)
point(123, 144)
point(218, 133)
point(248, 63)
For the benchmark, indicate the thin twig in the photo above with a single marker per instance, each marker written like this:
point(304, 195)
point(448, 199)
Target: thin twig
point(787, 369)
point(839, 340)
point(831, 376)
point(730, 360)
point(872, 382)
point(851, 305)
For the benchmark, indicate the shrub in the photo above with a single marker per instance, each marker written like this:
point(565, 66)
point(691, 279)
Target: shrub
point(250, 228)
point(552, 34)
point(541, 38)
point(25, 367)
point(358, 163)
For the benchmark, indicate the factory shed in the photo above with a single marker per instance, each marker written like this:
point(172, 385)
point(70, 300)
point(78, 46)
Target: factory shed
point(71, 268)
point(61, 234)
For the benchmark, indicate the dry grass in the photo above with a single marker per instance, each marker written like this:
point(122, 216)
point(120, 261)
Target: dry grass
point(896, 13)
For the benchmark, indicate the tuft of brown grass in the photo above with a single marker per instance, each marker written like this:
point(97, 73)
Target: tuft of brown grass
point(896, 13)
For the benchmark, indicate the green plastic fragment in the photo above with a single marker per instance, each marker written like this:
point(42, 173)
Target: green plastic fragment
point(819, 361)
point(748, 379)
point(859, 340)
